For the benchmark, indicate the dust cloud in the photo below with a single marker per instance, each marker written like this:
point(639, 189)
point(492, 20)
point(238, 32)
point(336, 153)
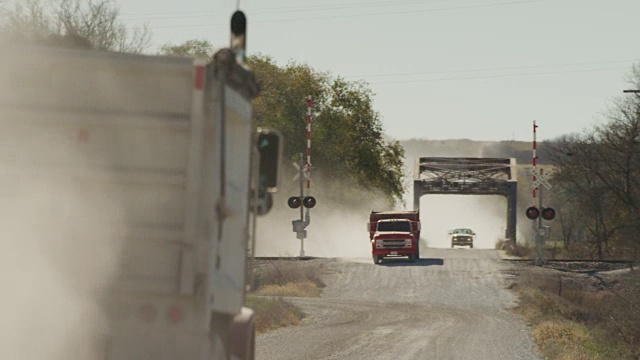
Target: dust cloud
point(337, 229)
point(334, 231)
point(57, 259)
point(59, 247)
point(340, 231)
point(486, 215)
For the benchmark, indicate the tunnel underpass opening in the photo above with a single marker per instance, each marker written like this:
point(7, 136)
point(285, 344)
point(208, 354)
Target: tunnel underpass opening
point(483, 214)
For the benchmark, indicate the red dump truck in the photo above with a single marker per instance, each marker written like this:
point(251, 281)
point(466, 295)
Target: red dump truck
point(394, 233)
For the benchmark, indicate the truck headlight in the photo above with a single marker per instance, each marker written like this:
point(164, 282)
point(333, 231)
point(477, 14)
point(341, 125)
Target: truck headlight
point(407, 243)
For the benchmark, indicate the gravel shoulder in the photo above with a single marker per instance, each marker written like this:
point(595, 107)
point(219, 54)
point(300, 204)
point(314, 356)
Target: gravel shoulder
point(452, 304)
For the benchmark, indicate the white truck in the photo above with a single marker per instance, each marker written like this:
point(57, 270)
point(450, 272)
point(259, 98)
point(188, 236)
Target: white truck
point(142, 167)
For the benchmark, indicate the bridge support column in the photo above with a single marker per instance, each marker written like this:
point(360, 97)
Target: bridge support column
point(512, 211)
point(417, 194)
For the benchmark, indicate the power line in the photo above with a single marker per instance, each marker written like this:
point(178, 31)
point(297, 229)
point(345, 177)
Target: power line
point(490, 69)
point(493, 76)
point(509, 3)
point(269, 10)
point(347, 6)
point(290, 20)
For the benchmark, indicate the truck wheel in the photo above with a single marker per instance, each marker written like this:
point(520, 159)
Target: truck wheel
point(377, 259)
point(471, 246)
point(452, 245)
point(412, 258)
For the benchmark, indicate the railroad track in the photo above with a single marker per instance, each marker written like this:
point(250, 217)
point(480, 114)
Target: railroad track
point(577, 261)
point(514, 260)
point(585, 266)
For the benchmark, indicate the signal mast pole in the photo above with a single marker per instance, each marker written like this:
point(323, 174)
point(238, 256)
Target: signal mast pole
point(303, 233)
point(539, 237)
point(539, 213)
point(308, 165)
point(303, 201)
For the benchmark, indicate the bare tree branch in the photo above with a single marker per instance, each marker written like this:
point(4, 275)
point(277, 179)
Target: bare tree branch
point(95, 21)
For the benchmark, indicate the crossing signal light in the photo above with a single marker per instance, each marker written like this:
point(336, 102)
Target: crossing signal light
point(309, 202)
point(548, 213)
point(532, 213)
point(294, 202)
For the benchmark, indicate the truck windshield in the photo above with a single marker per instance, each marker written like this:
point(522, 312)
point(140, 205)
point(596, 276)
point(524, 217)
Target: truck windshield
point(394, 226)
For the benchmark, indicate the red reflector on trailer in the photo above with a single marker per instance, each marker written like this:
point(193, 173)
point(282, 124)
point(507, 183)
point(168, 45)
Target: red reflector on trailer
point(175, 314)
point(199, 78)
point(83, 135)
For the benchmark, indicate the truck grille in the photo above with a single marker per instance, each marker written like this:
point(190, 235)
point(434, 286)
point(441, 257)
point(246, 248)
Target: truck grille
point(393, 243)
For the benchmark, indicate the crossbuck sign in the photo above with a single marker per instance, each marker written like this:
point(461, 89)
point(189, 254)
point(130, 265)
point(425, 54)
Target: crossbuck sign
point(540, 180)
point(297, 175)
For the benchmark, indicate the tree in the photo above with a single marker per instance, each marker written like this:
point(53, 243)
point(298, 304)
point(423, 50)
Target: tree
point(578, 163)
point(349, 148)
point(600, 173)
point(76, 23)
point(192, 48)
point(349, 151)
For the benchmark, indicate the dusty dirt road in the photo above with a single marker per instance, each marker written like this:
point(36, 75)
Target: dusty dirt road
point(452, 304)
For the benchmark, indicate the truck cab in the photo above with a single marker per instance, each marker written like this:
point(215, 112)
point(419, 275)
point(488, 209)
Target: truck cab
point(394, 234)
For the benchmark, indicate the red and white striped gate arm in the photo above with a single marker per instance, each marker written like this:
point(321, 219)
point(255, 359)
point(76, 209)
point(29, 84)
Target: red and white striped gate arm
point(535, 158)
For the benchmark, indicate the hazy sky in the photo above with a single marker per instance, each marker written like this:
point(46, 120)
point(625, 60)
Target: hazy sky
point(477, 69)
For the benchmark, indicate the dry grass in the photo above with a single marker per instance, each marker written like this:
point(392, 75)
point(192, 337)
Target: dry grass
point(552, 250)
point(288, 278)
point(296, 289)
point(553, 337)
point(283, 272)
point(277, 279)
point(273, 313)
point(575, 320)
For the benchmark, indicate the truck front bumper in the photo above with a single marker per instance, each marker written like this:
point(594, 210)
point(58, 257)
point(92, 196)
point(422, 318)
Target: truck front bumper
point(394, 252)
point(462, 242)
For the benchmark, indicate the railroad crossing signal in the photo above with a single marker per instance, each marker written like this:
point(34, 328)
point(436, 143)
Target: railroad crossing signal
point(309, 202)
point(547, 213)
point(307, 175)
point(294, 202)
point(532, 213)
point(540, 180)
